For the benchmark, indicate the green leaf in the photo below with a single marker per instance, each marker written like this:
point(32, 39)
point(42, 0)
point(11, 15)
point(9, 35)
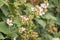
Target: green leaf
point(47, 37)
point(51, 6)
point(41, 22)
point(57, 34)
point(1, 36)
point(4, 2)
point(17, 21)
point(58, 22)
point(38, 38)
point(4, 28)
point(1, 4)
point(55, 2)
point(13, 35)
point(22, 1)
point(58, 18)
point(49, 16)
point(4, 10)
point(16, 4)
point(29, 5)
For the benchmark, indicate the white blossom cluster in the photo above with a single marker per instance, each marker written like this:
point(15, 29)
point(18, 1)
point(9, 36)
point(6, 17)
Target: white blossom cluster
point(22, 29)
point(55, 38)
point(24, 17)
point(9, 22)
point(40, 8)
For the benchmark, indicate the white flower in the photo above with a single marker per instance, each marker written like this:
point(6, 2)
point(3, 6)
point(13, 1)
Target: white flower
point(40, 9)
point(47, 4)
point(9, 22)
point(14, 38)
point(41, 13)
point(25, 18)
point(32, 9)
point(37, 6)
point(44, 5)
point(55, 39)
point(21, 16)
point(22, 29)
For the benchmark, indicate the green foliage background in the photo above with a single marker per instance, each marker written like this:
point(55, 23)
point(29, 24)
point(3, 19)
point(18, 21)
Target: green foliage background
point(38, 24)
